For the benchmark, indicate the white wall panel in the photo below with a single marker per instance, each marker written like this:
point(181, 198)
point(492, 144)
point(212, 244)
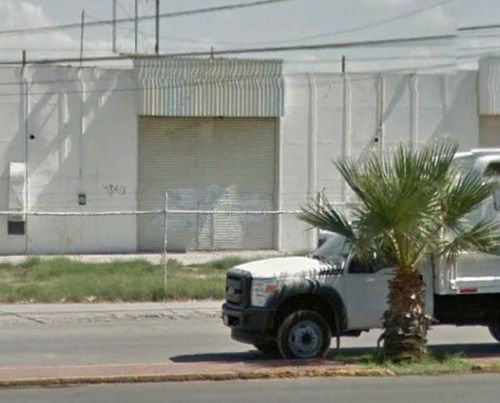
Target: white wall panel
point(12, 148)
point(410, 108)
point(84, 128)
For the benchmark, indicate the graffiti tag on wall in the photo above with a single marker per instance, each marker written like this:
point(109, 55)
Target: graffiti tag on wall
point(115, 190)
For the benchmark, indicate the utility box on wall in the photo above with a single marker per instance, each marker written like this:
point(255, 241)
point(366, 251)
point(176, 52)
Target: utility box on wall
point(17, 198)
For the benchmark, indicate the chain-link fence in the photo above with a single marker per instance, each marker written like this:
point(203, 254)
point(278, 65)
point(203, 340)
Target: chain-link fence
point(162, 232)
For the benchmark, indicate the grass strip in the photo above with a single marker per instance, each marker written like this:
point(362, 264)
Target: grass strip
point(436, 362)
point(65, 280)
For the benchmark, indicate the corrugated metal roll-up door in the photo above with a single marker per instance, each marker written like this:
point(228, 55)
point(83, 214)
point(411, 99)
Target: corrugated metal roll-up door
point(489, 130)
point(207, 164)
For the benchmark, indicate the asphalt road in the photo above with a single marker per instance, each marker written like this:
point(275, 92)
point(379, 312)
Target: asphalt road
point(442, 389)
point(180, 340)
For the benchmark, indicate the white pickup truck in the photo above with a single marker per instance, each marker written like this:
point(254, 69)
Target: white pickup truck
point(295, 305)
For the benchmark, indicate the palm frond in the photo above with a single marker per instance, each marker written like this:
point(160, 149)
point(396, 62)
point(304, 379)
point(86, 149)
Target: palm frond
point(323, 215)
point(462, 194)
point(482, 237)
point(394, 190)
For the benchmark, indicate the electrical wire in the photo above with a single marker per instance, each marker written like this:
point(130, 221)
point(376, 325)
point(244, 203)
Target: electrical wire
point(211, 53)
point(293, 62)
point(176, 14)
point(479, 27)
point(277, 49)
point(297, 39)
point(348, 30)
point(305, 38)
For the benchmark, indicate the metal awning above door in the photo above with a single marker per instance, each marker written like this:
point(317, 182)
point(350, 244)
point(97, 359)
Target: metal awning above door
point(180, 87)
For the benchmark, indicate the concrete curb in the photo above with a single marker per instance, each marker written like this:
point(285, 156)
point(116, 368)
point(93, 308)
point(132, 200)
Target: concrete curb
point(324, 371)
point(207, 376)
point(492, 368)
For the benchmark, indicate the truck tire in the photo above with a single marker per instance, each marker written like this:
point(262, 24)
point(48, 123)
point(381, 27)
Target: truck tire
point(495, 331)
point(269, 350)
point(304, 334)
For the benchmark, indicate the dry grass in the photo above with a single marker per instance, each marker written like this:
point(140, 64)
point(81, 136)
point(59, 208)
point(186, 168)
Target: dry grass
point(63, 280)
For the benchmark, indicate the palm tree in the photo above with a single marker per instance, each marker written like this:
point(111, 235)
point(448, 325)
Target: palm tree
point(411, 205)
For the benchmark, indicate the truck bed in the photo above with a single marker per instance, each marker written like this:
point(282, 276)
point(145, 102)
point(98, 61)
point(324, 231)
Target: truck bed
point(476, 274)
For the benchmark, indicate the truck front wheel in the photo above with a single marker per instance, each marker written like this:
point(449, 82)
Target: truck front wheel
point(304, 334)
point(495, 331)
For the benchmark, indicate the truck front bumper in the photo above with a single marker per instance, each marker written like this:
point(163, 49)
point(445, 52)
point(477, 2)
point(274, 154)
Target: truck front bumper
point(250, 325)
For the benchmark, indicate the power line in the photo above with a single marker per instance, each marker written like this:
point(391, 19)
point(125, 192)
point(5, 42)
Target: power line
point(305, 38)
point(184, 13)
point(478, 27)
point(292, 62)
point(379, 22)
point(321, 46)
point(361, 27)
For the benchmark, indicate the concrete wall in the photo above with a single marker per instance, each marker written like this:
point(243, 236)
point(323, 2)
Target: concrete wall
point(84, 123)
point(380, 111)
point(80, 138)
point(12, 148)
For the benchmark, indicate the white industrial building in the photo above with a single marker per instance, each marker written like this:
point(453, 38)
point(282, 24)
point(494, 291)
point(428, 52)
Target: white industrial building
point(216, 134)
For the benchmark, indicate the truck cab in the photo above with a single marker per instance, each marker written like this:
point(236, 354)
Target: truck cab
point(294, 305)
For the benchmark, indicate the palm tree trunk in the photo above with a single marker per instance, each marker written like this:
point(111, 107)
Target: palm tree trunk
point(405, 322)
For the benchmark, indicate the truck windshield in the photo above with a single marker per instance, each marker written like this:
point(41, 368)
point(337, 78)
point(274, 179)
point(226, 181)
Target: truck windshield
point(335, 247)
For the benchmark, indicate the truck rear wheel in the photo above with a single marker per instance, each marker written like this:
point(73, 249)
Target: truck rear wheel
point(304, 334)
point(495, 331)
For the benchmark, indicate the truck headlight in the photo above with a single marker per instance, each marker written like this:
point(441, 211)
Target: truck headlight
point(262, 289)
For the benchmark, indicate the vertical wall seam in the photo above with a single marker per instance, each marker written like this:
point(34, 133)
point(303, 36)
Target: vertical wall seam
point(413, 84)
point(26, 107)
point(346, 130)
point(313, 145)
point(279, 183)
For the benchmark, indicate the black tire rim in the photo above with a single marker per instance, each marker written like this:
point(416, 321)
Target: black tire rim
point(305, 339)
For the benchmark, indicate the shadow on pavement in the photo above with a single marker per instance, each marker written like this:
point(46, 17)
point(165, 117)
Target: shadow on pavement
point(252, 355)
point(484, 350)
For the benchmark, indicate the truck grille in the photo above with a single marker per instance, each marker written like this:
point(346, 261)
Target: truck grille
point(238, 289)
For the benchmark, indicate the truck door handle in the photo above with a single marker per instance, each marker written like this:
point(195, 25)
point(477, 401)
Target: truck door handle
point(370, 280)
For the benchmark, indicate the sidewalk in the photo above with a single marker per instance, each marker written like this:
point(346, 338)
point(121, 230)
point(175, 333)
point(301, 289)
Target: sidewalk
point(200, 371)
point(90, 312)
point(154, 258)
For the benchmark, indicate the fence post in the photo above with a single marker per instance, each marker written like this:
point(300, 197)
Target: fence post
point(165, 243)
